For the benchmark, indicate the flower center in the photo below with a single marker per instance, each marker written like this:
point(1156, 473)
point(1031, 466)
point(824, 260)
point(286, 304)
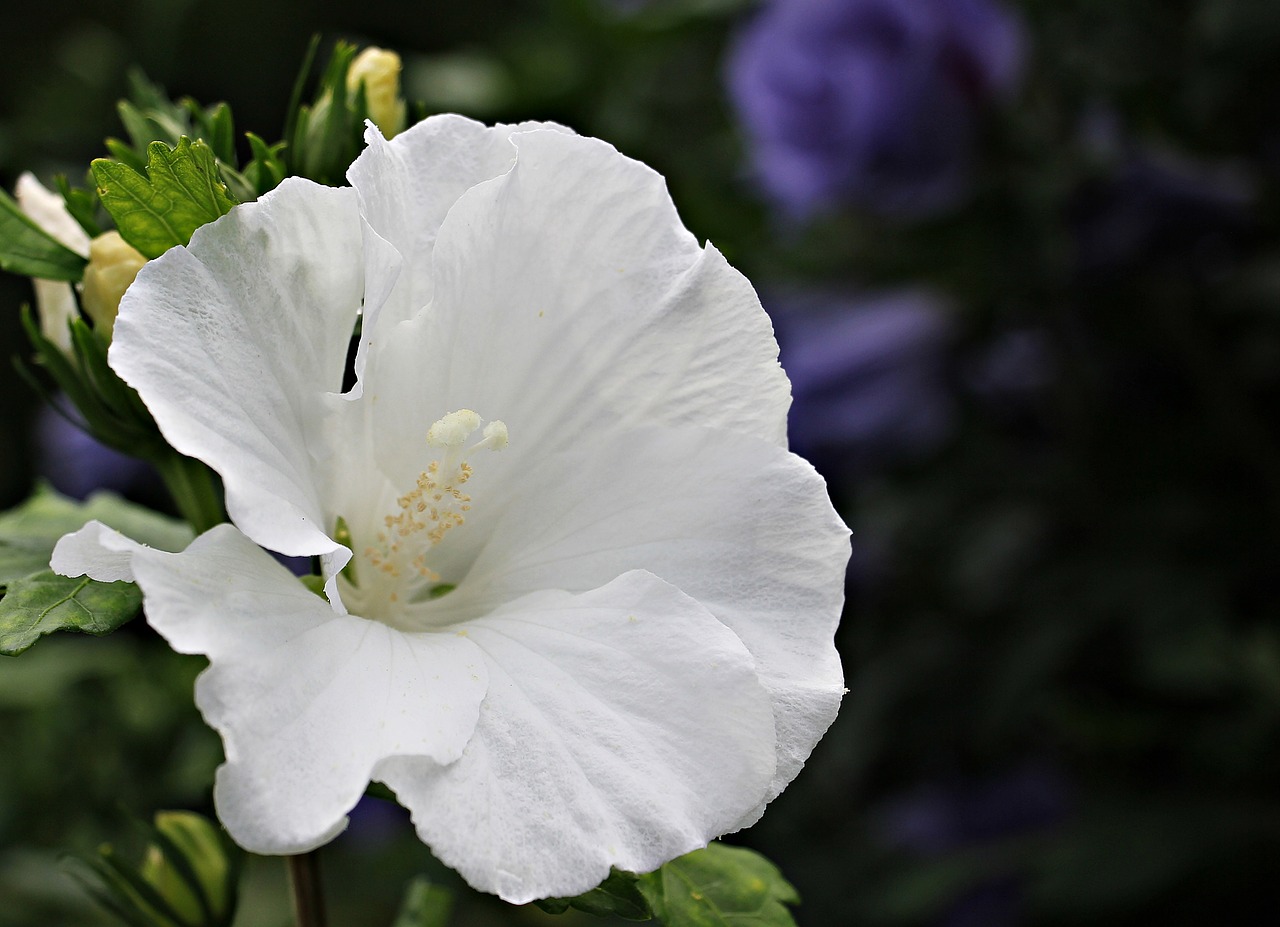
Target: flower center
point(437, 504)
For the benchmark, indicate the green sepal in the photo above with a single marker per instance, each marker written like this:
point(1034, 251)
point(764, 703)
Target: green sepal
point(189, 877)
point(180, 192)
point(718, 886)
point(618, 896)
point(82, 204)
point(113, 412)
point(325, 137)
point(313, 583)
point(425, 905)
point(27, 249)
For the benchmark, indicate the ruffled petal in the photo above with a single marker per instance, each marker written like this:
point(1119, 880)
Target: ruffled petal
point(236, 342)
point(622, 727)
point(569, 299)
point(408, 184)
point(307, 701)
point(742, 526)
point(95, 551)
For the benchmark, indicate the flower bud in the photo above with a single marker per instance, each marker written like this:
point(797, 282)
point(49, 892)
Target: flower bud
point(113, 263)
point(379, 71)
point(201, 844)
point(55, 300)
point(188, 878)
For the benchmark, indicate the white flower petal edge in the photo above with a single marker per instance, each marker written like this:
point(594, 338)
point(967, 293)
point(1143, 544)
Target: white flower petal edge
point(622, 727)
point(249, 391)
point(743, 527)
point(307, 701)
point(617, 727)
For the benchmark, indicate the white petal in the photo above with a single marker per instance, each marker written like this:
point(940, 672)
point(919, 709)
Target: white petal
point(622, 727)
point(742, 526)
point(408, 184)
point(95, 551)
point(307, 701)
point(49, 211)
point(236, 342)
point(569, 298)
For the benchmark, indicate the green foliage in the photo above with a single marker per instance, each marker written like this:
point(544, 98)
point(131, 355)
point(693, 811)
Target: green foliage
point(720, 886)
point(325, 137)
point(36, 601)
point(27, 249)
point(112, 411)
point(180, 191)
point(188, 877)
point(44, 602)
point(425, 905)
point(618, 895)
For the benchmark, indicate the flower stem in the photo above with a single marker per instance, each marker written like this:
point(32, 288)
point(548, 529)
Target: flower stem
point(194, 488)
point(304, 878)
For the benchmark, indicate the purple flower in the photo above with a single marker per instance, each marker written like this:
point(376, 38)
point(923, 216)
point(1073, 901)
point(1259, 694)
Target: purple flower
point(944, 818)
point(870, 101)
point(1158, 207)
point(868, 377)
point(76, 464)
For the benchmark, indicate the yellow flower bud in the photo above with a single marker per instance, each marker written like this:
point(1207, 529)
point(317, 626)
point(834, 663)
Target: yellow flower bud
point(113, 263)
point(379, 71)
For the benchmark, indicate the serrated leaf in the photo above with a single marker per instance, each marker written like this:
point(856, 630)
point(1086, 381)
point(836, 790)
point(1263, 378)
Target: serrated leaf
point(180, 192)
point(617, 896)
point(424, 905)
point(29, 532)
point(720, 886)
point(45, 602)
point(27, 249)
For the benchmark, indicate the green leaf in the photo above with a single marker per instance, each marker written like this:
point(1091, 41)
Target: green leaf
point(720, 886)
point(27, 249)
point(424, 905)
point(180, 192)
point(29, 532)
point(617, 896)
point(45, 602)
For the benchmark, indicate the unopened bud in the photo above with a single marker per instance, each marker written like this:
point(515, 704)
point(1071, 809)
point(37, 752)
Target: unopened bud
point(379, 71)
point(200, 842)
point(55, 300)
point(113, 263)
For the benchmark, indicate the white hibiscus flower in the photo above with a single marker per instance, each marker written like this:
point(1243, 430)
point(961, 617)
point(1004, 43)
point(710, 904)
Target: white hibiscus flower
point(595, 631)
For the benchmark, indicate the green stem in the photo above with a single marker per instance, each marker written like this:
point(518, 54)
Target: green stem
point(304, 878)
point(195, 490)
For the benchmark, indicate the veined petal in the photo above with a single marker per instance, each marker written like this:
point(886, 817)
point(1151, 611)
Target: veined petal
point(622, 727)
point(568, 298)
point(235, 341)
point(307, 701)
point(744, 527)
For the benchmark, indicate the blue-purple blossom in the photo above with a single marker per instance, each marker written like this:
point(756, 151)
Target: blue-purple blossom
point(944, 818)
point(1159, 207)
point(76, 464)
point(868, 376)
point(871, 101)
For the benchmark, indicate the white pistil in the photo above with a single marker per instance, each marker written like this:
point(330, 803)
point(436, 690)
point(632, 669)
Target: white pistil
point(436, 504)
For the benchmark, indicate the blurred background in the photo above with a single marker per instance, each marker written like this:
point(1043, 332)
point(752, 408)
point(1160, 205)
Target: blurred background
point(1023, 261)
